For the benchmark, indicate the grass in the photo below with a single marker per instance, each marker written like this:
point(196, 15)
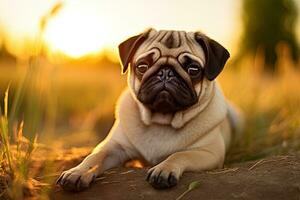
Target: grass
point(270, 104)
point(25, 171)
point(5, 151)
point(17, 151)
point(15, 159)
point(192, 186)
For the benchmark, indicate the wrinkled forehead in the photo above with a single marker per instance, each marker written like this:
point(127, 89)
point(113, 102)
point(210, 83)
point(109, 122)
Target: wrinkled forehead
point(171, 43)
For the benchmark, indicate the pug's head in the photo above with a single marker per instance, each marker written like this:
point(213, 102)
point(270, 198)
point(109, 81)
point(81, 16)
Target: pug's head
point(167, 68)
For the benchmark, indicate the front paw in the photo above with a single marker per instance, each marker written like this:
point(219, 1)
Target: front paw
point(163, 176)
point(77, 178)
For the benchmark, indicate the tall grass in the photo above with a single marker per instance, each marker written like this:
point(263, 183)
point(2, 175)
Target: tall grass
point(271, 106)
point(16, 154)
point(4, 133)
point(16, 151)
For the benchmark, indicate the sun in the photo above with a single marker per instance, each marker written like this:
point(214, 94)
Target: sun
point(75, 33)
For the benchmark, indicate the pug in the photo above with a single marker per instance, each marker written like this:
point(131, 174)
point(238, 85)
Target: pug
point(173, 114)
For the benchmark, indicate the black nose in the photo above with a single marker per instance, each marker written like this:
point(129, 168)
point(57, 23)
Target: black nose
point(165, 74)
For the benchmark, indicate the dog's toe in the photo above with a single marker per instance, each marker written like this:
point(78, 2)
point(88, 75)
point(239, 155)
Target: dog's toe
point(70, 185)
point(70, 182)
point(75, 180)
point(162, 179)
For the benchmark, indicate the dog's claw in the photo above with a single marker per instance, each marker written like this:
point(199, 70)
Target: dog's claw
point(76, 179)
point(59, 179)
point(63, 178)
point(172, 180)
point(94, 178)
point(149, 174)
point(77, 183)
point(161, 180)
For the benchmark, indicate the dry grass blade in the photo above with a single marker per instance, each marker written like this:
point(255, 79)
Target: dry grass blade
point(110, 182)
point(6, 102)
point(127, 172)
point(5, 149)
point(16, 158)
point(256, 164)
point(269, 160)
point(56, 8)
point(224, 171)
point(53, 11)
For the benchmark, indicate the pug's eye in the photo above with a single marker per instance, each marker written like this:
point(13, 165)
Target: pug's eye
point(193, 69)
point(142, 68)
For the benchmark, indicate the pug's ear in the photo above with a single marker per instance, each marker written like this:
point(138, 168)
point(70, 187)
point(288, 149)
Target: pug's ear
point(215, 55)
point(128, 48)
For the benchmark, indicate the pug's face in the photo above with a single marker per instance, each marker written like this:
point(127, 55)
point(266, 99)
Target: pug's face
point(168, 67)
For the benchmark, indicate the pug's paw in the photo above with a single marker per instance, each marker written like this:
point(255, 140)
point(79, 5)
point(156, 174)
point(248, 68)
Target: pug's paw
point(77, 178)
point(163, 176)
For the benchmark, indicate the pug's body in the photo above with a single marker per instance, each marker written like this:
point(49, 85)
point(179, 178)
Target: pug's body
point(173, 114)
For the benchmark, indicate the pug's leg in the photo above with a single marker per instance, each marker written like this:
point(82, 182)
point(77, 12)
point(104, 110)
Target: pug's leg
point(167, 173)
point(106, 155)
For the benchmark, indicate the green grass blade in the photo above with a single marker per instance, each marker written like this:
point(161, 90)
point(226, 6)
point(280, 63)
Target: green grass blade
point(193, 185)
point(19, 97)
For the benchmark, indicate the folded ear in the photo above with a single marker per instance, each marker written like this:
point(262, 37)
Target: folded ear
point(215, 55)
point(128, 48)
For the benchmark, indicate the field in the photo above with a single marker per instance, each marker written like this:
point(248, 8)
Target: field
point(72, 105)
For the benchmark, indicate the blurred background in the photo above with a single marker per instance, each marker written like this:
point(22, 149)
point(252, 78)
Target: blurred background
point(60, 61)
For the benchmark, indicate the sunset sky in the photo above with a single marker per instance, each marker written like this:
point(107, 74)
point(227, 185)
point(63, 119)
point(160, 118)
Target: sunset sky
point(86, 26)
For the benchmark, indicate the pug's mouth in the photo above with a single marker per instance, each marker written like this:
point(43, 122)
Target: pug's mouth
point(164, 102)
point(166, 97)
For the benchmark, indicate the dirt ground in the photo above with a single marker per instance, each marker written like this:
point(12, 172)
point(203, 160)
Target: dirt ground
point(270, 178)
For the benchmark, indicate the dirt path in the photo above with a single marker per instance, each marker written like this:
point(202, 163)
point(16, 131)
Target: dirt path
point(270, 178)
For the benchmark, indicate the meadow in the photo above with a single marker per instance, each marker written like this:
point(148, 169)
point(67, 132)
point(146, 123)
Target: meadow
point(64, 109)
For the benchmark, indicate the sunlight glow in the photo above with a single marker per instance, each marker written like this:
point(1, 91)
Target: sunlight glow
point(83, 28)
point(75, 34)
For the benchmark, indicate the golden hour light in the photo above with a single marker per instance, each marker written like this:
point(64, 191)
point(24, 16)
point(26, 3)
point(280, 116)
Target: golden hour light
point(160, 99)
point(81, 28)
point(75, 33)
